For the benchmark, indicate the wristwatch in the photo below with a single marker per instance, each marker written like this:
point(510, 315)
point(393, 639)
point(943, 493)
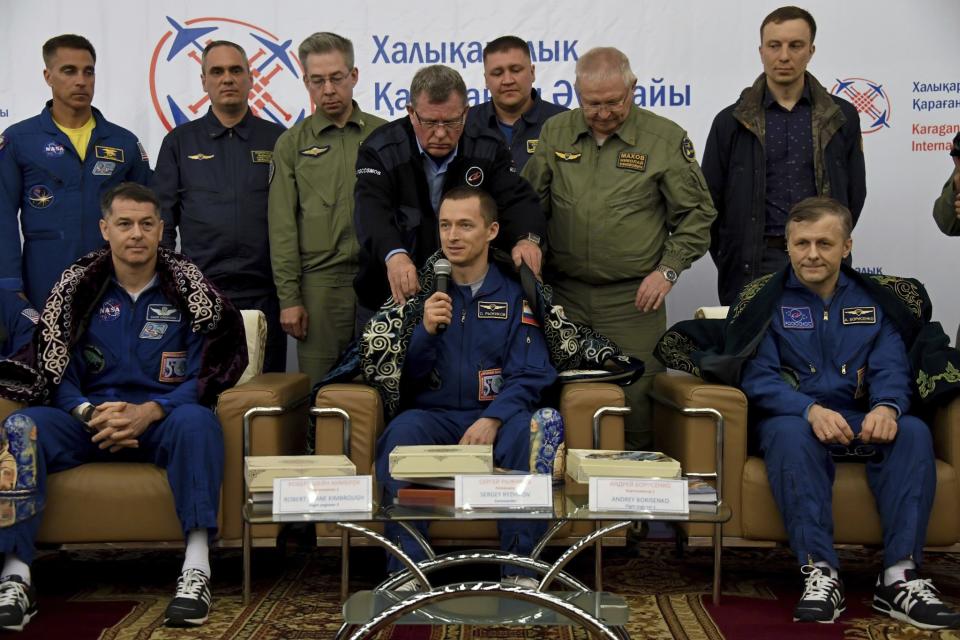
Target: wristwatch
point(669, 274)
point(531, 237)
point(83, 412)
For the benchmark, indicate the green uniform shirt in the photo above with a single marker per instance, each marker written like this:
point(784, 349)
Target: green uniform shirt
point(945, 211)
point(311, 203)
point(617, 211)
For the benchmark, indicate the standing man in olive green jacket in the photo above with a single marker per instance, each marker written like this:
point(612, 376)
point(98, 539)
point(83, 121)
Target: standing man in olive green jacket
point(628, 210)
point(313, 248)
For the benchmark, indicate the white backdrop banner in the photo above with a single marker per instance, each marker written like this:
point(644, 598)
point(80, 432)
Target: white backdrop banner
point(897, 62)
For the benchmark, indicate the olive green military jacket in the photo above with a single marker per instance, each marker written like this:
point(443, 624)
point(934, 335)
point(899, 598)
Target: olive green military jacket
point(945, 211)
point(617, 211)
point(310, 213)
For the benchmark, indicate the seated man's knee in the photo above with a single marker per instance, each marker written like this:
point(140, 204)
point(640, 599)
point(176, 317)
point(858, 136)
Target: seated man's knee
point(192, 421)
point(915, 432)
point(786, 434)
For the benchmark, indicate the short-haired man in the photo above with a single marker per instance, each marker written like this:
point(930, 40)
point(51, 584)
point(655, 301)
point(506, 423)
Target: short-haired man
point(138, 345)
point(628, 211)
point(212, 179)
point(53, 169)
point(404, 169)
point(312, 242)
point(17, 322)
point(946, 210)
point(785, 139)
point(515, 111)
point(479, 380)
point(831, 375)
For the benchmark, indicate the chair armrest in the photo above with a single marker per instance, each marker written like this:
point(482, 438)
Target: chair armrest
point(693, 439)
point(362, 406)
point(280, 434)
point(9, 406)
point(946, 433)
point(579, 403)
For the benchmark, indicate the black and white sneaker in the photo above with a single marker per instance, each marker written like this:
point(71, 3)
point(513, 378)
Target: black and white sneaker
point(18, 603)
point(914, 600)
point(822, 599)
point(191, 603)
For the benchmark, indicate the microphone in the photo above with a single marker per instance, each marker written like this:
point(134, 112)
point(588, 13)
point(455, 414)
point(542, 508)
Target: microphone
point(441, 271)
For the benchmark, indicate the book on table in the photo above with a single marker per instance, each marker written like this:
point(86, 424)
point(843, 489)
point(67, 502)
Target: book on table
point(437, 461)
point(701, 495)
point(583, 464)
point(260, 471)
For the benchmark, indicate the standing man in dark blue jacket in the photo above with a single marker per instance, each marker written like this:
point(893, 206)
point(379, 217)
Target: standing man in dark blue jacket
point(784, 140)
point(479, 380)
point(515, 112)
point(831, 377)
point(212, 179)
point(53, 169)
point(403, 170)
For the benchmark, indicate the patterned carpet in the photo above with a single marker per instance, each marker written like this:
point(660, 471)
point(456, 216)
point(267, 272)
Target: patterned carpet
point(122, 595)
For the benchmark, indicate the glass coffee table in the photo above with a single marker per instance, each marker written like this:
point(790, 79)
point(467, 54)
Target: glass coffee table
point(367, 612)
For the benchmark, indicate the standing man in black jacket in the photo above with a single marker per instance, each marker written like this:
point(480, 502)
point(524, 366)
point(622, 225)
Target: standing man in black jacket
point(212, 179)
point(403, 170)
point(784, 140)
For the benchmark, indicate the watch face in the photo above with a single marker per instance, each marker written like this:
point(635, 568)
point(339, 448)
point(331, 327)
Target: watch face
point(669, 274)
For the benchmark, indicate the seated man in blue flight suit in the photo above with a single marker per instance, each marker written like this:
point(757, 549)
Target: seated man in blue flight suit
point(17, 322)
point(128, 375)
point(831, 376)
point(478, 381)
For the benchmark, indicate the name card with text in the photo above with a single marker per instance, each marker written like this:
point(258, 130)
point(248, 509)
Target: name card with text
point(638, 494)
point(334, 494)
point(503, 491)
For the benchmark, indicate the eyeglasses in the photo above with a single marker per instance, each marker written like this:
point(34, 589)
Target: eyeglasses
point(320, 82)
point(449, 125)
point(610, 105)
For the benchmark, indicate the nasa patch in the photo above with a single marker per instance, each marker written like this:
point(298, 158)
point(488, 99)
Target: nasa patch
point(473, 177)
point(109, 310)
point(53, 149)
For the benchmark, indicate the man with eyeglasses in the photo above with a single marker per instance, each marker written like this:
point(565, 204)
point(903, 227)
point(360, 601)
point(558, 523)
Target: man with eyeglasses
point(515, 112)
point(211, 178)
point(831, 372)
point(628, 210)
point(404, 169)
point(786, 138)
point(313, 246)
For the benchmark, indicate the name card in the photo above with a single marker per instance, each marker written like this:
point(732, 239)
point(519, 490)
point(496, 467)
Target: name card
point(334, 494)
point(503, 491)
point(638, 494)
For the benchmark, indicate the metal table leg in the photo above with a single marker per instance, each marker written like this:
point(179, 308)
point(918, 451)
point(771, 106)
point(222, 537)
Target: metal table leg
point(246, 561)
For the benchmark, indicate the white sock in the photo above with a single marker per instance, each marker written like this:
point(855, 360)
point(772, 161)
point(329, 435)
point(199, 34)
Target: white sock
point(198, 552)
point(898, 571)
point(826, 568)
point(14, 566)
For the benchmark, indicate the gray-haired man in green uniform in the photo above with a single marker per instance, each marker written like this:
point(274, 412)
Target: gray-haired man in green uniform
point(313, 248)
point(628, 210)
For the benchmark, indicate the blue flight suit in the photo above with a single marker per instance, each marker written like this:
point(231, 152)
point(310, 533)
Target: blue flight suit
point(134, 351)
point(491, 362)
point(213, 182)
point(58, 197)
point(525, 132)
point(17, 322)
point(844, 355)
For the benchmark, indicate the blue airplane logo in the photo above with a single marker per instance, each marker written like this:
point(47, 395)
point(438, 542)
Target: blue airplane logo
point(841, 85)
point(278, 51)
point(186, 36)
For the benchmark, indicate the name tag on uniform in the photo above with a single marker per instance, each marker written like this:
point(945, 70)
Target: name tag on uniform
point(261, 157)
point(859, 315)
point(532, 146)
point(796, 317)
point(109, 153)
point(632, 161)
point(492, 310)
point(163, 313)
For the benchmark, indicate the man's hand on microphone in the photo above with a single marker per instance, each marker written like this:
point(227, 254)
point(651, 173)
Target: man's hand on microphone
point(402, 274)
point(437, 310)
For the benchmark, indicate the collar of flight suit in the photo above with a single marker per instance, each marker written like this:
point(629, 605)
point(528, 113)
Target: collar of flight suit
point(319, 121)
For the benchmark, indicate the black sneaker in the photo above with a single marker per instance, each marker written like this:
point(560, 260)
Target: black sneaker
point(914, 600)
point(190, 606)
point(18, 603)
point(822, 599)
